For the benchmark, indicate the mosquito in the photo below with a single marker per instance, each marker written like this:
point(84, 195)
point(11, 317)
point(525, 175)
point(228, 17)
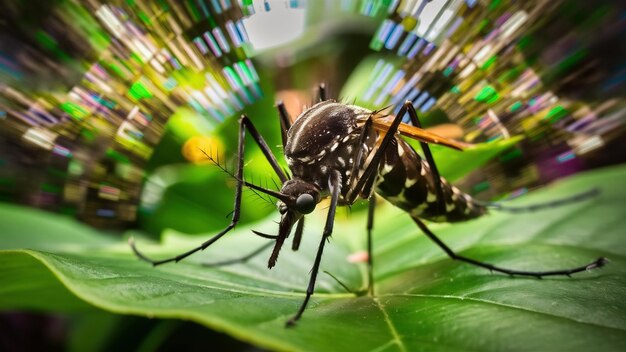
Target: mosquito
point(346, 152)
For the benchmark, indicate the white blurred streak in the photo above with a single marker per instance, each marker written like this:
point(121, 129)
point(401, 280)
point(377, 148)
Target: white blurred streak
point(277, 27)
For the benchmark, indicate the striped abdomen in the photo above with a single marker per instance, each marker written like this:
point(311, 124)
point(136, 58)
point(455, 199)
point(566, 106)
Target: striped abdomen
point(406, 181)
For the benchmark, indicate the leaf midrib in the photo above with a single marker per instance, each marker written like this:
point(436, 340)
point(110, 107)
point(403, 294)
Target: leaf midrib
point(390, 325)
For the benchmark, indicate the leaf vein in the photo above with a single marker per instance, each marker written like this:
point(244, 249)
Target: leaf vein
point(392, 328)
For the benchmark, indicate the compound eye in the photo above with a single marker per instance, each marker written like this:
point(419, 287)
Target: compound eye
point(305, 203)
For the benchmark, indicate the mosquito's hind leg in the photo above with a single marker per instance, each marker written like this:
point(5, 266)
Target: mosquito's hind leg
point(244, 124)
point(538, 274)
point(578, 197)
point(241, 259)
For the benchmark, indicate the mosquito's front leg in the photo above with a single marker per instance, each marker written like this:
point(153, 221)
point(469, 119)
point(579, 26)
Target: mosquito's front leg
point(244, 123)
point(334, 184)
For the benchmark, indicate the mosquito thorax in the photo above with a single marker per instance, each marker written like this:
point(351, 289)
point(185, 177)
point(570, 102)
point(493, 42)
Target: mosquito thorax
point(323, 138)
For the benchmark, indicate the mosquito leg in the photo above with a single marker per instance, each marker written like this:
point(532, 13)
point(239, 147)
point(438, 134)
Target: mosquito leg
point(242, 259)
point(334, 184)
point(256, 136)
point(441, 202)
point(295, 245)
point(244, 123)
point(370, 254)
point(370, 169)
point(540, 206)
point(538, 274)
point(285, 121)
point(369, 185)
point(322, 91)
point(354, 173)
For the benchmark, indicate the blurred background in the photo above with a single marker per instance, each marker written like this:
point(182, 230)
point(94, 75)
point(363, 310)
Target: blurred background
point(105, 105)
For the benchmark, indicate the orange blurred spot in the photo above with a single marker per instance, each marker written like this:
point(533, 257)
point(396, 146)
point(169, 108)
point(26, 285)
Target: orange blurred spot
point(195, 148)
point(294, 101)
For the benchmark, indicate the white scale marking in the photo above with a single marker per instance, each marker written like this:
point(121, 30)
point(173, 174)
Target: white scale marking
point(409, 182)
point(455, 193)
point(300, 132)
point(419, 209)
point(400, 150)
point(386, 169)
point(399, 198)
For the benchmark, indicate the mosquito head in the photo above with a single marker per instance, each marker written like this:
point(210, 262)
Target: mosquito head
point(304, 195)
point(298, 198)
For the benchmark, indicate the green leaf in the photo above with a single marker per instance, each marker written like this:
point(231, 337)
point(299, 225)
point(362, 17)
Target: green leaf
point(425, 301)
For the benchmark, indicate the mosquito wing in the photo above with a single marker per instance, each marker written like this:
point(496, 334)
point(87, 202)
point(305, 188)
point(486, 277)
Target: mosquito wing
point(420, 134)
